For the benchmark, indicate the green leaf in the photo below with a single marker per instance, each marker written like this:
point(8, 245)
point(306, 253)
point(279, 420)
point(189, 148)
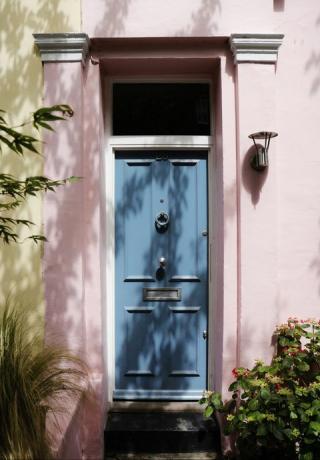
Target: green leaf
point(216, 401)
point(287, 432)
point(287, 362)
point(315, 427)
point(262, 430)
point(208, 411)
point(303, 366)
point(2, 120)
point(5, 141)
point(44, 125)
point(45, 115)
point(308, 441)
point(234, 386)
point(13, 192)
point(285, 342)
point(244, 383)
point(253, 404)
point(276, 432)
point(37, 238)
point(73, 179)
point(265, 394)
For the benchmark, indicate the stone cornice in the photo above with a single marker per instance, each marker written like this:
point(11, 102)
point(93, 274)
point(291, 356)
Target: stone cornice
point(67, 47)
point(255, 47)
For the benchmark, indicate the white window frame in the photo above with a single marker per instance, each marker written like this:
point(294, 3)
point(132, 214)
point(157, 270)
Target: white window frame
point(114, 144)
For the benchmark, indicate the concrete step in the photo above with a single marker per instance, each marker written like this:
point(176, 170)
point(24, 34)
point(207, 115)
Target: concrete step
point(175, 456)
point(163, 435)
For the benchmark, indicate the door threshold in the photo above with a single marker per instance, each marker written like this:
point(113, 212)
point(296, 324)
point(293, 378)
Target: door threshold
point(155, 406)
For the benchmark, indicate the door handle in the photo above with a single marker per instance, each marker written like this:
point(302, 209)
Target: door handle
point(205, 334)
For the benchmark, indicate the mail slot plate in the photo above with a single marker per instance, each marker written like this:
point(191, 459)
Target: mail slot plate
point(172, 294)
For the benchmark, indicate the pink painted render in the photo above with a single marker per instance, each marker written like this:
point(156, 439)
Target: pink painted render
point(71, 259)
point(183, 18)
point(266, 226)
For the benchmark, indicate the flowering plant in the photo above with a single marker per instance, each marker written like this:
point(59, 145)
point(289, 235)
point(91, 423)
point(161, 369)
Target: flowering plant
point(275, 409)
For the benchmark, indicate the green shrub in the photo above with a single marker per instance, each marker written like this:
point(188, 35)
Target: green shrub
point(34, 380)
point(274, 411)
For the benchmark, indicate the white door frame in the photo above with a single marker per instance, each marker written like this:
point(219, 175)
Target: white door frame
point(133, 143)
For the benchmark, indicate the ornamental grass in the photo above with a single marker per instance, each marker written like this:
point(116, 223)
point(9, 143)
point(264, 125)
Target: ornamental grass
point(35, 380)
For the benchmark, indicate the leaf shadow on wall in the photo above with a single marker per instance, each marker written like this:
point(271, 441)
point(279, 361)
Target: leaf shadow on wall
point(21, 81)
point(23, 268)
point(202, 20)
point(252, 180)
point(312, 66)
point(72, 263)
point(113, 15)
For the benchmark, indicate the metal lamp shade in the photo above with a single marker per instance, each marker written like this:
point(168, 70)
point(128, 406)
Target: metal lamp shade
point(260, 160)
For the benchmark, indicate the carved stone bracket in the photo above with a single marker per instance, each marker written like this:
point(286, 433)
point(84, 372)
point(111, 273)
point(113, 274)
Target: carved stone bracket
point(255, 47)
point(66, 47)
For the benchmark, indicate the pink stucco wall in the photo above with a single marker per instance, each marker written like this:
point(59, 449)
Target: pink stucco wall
point(197, 18)
point(276, 215)
point(72, 256)
point(266, 226)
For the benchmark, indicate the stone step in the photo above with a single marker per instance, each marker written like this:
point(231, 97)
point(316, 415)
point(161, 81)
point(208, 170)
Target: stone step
point(147, 436)
point(175, 456)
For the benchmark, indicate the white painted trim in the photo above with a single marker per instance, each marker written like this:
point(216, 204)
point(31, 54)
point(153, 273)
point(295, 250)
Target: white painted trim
point(67, 47)
point(160, 141)
point(109, 180)
point(116, 143)
point(255, 47)
point(211, 285)
point(164, 395)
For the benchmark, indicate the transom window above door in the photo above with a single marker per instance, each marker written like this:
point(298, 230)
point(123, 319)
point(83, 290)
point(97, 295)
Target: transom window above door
point(160, 109)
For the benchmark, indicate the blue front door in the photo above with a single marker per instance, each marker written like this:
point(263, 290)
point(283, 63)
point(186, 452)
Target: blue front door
point(161, 275)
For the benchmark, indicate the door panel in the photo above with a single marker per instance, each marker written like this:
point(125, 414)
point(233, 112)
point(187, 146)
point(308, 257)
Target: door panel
point(160, 349)
point(184, 350)
point(140, 352)
point(138, 211)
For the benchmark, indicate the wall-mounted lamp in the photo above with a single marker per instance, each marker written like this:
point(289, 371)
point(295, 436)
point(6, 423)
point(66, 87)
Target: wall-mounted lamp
point(260, 160)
